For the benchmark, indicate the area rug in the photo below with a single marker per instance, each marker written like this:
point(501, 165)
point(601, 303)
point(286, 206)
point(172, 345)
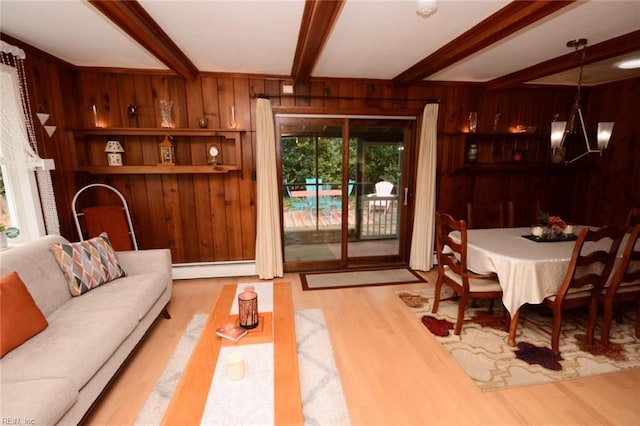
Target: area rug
point(481, 350)
point(343, 279)
point(323, 401)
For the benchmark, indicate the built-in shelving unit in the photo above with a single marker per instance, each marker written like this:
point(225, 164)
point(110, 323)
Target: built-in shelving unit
point(141, 154)
point(500, 152)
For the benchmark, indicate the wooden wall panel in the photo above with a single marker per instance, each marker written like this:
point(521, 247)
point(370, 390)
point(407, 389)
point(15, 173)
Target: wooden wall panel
point(212, 217)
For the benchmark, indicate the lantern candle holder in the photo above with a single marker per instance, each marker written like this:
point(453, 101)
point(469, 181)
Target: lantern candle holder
point(248, 309)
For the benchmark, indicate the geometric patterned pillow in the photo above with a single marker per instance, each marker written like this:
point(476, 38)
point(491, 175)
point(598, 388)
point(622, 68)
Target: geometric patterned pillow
point(87, 264)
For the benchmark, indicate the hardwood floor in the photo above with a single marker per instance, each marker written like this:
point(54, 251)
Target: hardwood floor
point(393, 371)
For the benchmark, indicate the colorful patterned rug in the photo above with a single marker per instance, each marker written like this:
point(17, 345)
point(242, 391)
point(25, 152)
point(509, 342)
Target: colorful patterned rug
point(482, 351)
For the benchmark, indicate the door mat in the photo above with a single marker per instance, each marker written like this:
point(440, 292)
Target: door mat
point(345, 279)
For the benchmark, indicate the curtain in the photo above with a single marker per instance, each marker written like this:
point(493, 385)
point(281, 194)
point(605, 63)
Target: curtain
point(268, 242)
point(421, 257)
point(18, 144)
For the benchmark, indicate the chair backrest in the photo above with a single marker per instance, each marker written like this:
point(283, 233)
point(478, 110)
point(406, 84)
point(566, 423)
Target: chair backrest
point(590, 267)
point(633, 218)
point(383, 188)
point(286, 188)
point(451, 254)
point(523, 213)
point(350, 187)
point(312, 184)
point(627, 272)
point(485, 215)
point(113, 219)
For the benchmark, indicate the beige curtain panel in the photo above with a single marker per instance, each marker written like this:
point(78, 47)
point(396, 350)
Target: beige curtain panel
point(421, 257)
point(268, 243)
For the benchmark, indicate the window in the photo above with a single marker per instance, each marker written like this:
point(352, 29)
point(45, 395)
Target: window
point(19, 197)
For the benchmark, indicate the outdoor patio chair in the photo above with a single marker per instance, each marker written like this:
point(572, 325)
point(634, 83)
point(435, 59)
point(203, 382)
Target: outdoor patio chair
point(383, 189)
point(296, 202)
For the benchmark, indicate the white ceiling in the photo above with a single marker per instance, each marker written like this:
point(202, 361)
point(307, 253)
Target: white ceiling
point(372, 39)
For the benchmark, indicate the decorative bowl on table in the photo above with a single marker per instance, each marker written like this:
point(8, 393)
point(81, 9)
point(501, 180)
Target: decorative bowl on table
point(552, 228)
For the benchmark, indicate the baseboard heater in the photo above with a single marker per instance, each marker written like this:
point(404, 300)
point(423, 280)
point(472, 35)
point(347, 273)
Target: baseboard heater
point(186, 271)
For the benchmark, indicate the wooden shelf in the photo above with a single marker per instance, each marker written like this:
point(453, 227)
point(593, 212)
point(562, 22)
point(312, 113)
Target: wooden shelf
point(152, 131)
point(155, 170)
point(92, 139)
point(500, 152)
point(515, 166)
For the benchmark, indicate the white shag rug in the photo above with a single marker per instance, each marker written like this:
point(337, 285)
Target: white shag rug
point(323, 402)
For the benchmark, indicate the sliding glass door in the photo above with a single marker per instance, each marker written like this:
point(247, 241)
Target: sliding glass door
point(343, 197)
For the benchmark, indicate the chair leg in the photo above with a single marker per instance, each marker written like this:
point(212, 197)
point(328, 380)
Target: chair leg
point(593, 316)
point(607, 317)
point(436, 300)
point(555, 332)
point(638, 320)
point(462, 304)
point(490, 311)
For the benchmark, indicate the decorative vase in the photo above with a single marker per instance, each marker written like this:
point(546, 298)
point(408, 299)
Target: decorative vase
point(472, 153)
point(473, 122)
point(165, 113)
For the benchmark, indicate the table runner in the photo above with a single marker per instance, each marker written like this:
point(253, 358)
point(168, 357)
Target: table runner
point(249, 401)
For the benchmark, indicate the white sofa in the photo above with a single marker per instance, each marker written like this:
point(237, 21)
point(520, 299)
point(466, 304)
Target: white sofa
point(57, 375)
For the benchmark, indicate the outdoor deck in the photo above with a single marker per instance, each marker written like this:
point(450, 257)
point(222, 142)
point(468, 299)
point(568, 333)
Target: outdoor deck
point(381, 223)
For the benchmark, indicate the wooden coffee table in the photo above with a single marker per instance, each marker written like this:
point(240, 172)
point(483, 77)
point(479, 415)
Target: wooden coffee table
point(188, 402)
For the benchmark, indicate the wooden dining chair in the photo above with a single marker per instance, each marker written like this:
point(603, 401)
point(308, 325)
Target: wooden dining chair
point(588, 271)
point(452, 269)
point(623, 287)
point(522, 213)
point(633, 218)
point(485, 215)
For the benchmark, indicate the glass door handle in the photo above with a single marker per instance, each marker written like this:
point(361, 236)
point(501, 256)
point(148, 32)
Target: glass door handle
point(406, 194)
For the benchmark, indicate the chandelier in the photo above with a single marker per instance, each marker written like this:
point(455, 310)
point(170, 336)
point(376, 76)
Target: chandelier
point(560, 129)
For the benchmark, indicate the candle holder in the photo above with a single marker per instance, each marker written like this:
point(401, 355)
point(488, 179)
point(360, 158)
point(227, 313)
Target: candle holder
point(248, 309)
point(232, 118)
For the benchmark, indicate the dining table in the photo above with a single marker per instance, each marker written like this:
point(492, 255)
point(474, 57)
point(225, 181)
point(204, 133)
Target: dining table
point(528, 270)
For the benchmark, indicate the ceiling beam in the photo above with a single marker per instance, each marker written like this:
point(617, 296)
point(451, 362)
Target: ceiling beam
point(511, 18)
point(317, 20)
point(131, 17)
point(617, 46)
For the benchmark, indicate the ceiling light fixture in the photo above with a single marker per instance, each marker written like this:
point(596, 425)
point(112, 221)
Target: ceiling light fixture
point(427, 7)
point(629, 64)
point(560, 129)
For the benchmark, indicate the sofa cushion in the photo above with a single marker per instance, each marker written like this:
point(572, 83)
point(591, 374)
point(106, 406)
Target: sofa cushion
point(20, 317)
point(80, 338)
point(136, 292)
point(87, 264)
point(39, 271)
point(38, 402)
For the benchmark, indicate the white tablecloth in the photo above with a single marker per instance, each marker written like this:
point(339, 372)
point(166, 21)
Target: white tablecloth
point(528, 271)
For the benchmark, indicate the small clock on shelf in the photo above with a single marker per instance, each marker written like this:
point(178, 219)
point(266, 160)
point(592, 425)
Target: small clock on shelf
point(212, 153)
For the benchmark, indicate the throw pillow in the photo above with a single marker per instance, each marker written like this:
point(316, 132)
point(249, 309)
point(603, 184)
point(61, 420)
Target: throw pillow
point(20, 317)
point(87, 264)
